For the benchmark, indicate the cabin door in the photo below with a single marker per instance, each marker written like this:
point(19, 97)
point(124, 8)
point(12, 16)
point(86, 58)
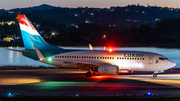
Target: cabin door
point(150, 59)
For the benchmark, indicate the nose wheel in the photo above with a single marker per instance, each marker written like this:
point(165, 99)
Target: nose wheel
point(154, 75)
point(88, 74)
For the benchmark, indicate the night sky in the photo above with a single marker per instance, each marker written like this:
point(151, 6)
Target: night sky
point(10, 4)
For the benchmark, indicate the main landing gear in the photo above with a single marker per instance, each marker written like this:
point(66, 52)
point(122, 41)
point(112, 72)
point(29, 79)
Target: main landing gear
point(154, 75)
point(88, 74)
point(91, 72)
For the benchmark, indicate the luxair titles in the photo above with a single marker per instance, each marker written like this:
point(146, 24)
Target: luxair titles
point(133, 55)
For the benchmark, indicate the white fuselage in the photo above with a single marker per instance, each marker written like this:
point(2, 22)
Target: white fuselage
point(125, 60)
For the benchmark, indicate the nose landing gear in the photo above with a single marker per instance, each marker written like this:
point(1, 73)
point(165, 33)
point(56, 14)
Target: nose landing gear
point(154, 75)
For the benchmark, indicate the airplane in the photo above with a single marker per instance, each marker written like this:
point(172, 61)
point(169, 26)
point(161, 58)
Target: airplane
point(97, 61)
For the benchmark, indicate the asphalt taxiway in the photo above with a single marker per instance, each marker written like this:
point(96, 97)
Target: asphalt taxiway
point(72, 82)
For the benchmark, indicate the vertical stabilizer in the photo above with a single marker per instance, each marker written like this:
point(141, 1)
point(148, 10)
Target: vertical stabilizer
point(30, 35)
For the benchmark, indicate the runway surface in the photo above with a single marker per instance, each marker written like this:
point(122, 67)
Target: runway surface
point(72, 82)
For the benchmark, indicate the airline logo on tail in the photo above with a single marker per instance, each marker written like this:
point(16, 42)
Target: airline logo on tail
point(26, 25)
point(23, 20)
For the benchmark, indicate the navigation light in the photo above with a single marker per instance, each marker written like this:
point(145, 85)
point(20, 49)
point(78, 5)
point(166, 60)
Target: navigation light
point(49, 59)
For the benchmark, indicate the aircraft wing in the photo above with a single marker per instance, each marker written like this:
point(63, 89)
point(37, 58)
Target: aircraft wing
point(77, 62)
point(30, 52)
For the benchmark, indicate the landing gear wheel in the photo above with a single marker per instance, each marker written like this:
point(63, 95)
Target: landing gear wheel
point(154, 75)
point(88, 74)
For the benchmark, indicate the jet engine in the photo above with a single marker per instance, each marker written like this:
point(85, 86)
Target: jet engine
point(108, 69)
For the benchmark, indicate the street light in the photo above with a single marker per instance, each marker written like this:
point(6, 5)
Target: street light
point(52, 34)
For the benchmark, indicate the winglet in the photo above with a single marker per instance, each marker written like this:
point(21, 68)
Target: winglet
point(91, 47)
point(41, 57)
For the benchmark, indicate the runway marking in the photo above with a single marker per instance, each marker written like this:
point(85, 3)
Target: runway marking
point(164, 79)
point(17, 81)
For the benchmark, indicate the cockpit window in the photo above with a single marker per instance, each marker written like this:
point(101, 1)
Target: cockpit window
point(163, 58)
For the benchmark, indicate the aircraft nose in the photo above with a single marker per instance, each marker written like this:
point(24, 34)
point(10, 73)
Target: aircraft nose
point(172, 64)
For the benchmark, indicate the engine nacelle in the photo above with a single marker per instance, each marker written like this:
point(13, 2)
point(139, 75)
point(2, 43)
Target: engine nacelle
point(108, 69)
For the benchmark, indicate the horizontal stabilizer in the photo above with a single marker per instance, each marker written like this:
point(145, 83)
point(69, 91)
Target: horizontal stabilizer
point(30, 52)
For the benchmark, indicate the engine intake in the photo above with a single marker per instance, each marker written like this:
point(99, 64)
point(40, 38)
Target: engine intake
point(108, 69)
